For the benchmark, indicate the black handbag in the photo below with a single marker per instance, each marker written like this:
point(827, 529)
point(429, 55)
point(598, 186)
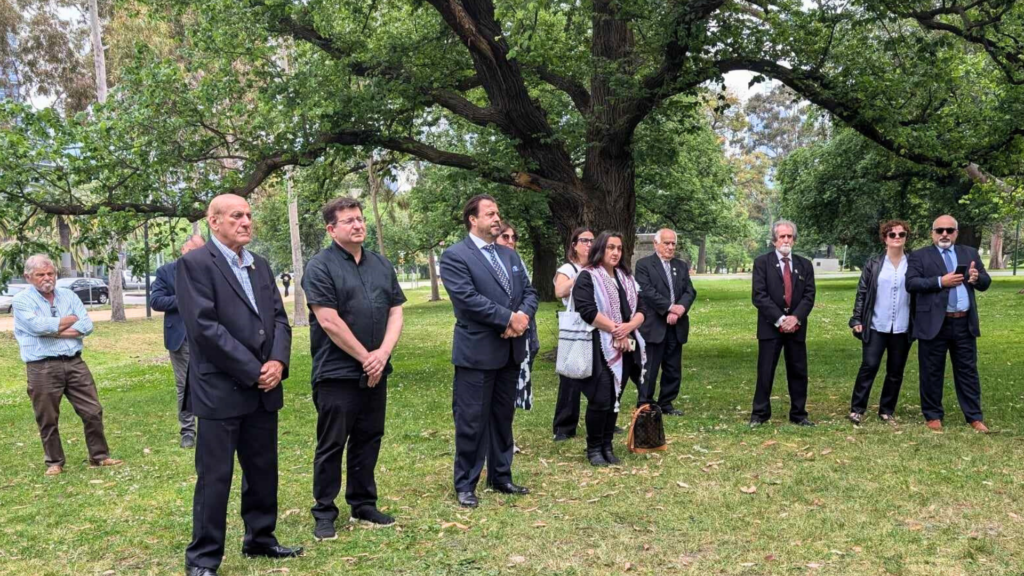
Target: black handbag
point(646, 430)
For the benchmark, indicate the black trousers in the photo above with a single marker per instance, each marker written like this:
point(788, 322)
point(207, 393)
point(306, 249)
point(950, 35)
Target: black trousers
point(483, 405)
point(254, 438)
point(347, 414)
point(954, 337)
point(567, 407)
point(768, 352)
point(897, 348)
point(666, 357)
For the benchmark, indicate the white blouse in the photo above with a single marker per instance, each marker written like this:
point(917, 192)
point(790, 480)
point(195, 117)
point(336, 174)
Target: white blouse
point(571, 271)
point(892, 302)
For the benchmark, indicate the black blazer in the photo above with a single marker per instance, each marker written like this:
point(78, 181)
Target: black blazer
point(769, 294)
point(228, 341)
point(650, 275)
point(924, 269)
point(163, 299)
point(482, 308)
point(864, 302)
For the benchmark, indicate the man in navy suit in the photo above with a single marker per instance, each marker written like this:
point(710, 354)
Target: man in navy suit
point(493, 302)
point(163, 299)
point(946, 320)
point(240, 347)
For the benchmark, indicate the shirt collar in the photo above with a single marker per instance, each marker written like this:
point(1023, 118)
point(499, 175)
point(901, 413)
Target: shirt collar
point(345, 253)
point(479, 241)
point(941, 249)
point(780, 256)
point(230, 255)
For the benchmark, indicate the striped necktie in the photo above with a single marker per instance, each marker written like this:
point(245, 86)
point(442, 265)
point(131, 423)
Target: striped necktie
point(502, 276)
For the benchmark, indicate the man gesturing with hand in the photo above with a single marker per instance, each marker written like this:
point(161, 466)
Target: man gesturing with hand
point(356, 320)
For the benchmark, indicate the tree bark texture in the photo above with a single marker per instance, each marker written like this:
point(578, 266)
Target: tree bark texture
point(995, 261)
point(300, 316)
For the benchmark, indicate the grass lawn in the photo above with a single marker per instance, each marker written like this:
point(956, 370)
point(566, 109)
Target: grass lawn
point(828, 500)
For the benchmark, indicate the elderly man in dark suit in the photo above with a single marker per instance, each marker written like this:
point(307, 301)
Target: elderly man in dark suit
point(493, 302)
point(240, 348)
point(783, 293)
point(945, 277)
point(163, 298)
point(666, 289)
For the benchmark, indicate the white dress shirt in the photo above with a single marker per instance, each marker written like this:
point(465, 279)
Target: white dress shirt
point(891, 313)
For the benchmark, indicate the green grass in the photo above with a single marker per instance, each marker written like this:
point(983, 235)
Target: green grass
point(830, 500)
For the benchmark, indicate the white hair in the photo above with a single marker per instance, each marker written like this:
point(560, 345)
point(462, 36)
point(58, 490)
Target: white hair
point(777, 224)
point(38, 261)
point(657, 235)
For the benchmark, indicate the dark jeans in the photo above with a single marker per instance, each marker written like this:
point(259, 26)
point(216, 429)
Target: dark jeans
point(567, 407)
point(897, 346)
point(667, 357)
point(50, 380)
point(254, 438)
point(347, 414)
point(768, 352)
point(954, 337)
point(179, 361)
point(483, 406)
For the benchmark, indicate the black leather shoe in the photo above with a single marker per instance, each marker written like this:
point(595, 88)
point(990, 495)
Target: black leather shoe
point(188, 441)
point(596, 457)
point(467, 499)
point(560, 437)
point(510, 488)
point(199, 571)
point(672, 411)
point(272, 552)
point(802, 422)
point(755, 421)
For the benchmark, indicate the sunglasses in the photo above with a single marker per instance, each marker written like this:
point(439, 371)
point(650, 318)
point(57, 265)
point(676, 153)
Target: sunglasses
point(585, 241)
point(510, 237)
point(897, 234)
point(53, 311)
point(944, 230)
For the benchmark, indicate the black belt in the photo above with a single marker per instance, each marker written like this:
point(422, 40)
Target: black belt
point(956, 314)
point(52, 358)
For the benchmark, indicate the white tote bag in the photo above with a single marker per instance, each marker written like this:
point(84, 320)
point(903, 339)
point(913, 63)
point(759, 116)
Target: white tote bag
point(575, 344)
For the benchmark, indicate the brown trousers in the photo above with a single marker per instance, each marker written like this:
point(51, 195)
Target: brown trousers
point(50, 380)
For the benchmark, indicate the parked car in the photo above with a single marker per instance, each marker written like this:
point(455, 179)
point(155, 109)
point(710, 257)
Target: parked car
point(6, 302)
point(7, 296)
point(129, 282)
point(89, 290)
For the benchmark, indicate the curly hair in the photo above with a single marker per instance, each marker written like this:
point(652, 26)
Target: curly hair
point(888, 225)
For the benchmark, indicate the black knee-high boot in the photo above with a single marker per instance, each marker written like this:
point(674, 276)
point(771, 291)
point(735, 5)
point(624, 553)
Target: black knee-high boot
point(595, 436)
point(609, 434)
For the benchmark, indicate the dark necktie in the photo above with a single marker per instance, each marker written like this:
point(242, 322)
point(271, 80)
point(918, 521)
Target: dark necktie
point(787, 281)
point(952, 301)
point(502, 276)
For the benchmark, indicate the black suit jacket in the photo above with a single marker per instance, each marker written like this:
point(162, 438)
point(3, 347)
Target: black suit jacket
point(228, 340)
point(769, 294)
point(482, 308)
point(654, 291)
point(163, 298)
point(924, 268)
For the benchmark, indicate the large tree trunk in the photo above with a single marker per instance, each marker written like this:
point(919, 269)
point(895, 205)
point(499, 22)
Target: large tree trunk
point(969, 235)
point(299, 315)
point(67, 261)
point(435, 289)
point(114, 286)
point(995, 261)
point(702, 255)
point(545, 262)
point(375, 189)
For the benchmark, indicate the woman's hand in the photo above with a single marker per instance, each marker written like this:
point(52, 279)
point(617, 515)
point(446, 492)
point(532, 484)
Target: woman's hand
point(621, 344)
point(858, 328)
point(621, 331)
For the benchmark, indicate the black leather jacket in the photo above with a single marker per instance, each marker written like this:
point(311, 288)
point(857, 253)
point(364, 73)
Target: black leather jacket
point(864, 303)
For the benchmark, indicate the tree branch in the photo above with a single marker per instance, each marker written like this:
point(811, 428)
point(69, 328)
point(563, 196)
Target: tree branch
point(576, 90)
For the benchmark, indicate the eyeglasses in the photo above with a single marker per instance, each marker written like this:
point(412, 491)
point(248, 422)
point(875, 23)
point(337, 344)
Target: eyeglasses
point(510, 237)
point(585, 241)
point(53, 311)
point(351, 221)
point(897, 234)
point(944, 230)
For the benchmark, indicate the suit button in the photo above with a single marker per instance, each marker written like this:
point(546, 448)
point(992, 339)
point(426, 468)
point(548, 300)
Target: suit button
point(261, 332)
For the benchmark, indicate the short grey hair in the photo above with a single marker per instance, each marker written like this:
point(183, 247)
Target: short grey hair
point(778, 223)
point(657, 235)
point(38, 261)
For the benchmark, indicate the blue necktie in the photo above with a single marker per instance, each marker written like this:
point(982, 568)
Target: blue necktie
point(502, 276)
point(949, 268)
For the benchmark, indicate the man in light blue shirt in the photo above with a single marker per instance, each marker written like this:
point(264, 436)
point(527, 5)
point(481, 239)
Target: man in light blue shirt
point(49, 324)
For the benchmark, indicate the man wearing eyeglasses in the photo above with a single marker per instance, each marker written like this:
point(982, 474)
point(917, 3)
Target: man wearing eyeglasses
point(666, 289)
point(49, 324)
point(355, 322)
point(944, 277)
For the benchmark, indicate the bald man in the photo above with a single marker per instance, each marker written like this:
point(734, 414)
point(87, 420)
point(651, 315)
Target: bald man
point(240, 344)
point(945, 277)
point(163, 298)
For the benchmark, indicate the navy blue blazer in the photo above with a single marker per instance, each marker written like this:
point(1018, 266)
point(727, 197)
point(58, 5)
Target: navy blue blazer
point(163, 299)
point(228, 340)
point(482, 308)
point(924, 268)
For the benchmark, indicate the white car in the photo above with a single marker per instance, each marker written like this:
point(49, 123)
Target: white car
point(130, 282)
point(6, 303)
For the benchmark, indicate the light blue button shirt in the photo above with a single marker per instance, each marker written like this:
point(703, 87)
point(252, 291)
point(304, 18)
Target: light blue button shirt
point(963, 303)
point(891, 314)
point(36, 323)
point(239, 269)
point(480, 244)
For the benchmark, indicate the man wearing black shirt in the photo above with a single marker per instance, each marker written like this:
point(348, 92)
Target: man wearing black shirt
point(355, 321)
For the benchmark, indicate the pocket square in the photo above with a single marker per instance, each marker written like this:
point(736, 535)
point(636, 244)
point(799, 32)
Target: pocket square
point(515, 268)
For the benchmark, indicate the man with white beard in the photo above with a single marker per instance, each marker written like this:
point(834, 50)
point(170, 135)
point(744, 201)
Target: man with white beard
point(783, 293)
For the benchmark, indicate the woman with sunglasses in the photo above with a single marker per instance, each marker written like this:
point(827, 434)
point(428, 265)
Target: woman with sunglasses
point(882, 321)
point(508, 237)
point(608, 298)
point(567, 407)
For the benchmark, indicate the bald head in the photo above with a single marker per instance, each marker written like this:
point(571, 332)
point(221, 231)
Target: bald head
point(945, 229)
point(191, 243)
point(230, 220)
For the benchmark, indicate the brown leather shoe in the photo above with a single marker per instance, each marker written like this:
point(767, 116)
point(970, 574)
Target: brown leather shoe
point(106, 462)
point(934, 424)
point(54, 470)
point(979, 426)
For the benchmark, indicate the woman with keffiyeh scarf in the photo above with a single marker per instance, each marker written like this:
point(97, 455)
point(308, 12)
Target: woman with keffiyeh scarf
point(607, 297)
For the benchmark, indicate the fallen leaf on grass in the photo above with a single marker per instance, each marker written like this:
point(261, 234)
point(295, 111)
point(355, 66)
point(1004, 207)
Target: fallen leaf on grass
point(627, 567)
point(826, 451)
point(288, 513)
point(95, 481)
point(682, 484)
point(147, 451)
point(770, 557)
point(747, 564)
point(445, 525)
point(647, 547)
point(517, 559)
point(851, 439)
point(1012, 515)
point(540, 524)
point(768, 443)
point(748, 489)
point(281, 570)
point(814, 565)
point(858, 549)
